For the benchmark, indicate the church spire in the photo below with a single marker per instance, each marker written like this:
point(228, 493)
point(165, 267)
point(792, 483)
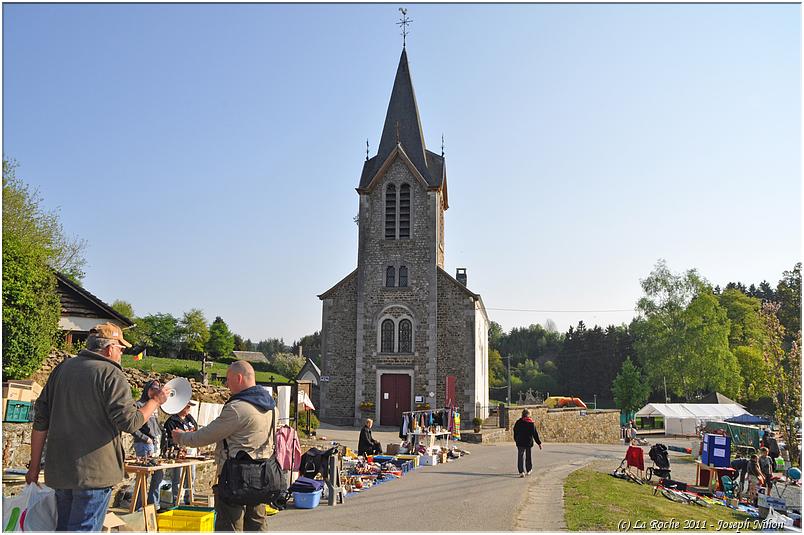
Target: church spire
point(402, 123)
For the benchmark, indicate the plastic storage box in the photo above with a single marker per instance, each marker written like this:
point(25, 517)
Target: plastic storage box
point(307, 500)
point(19, 411)
point(716, 451)
point(186, 519)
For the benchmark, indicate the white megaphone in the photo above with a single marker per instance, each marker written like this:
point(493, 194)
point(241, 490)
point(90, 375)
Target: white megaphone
point(179, 394)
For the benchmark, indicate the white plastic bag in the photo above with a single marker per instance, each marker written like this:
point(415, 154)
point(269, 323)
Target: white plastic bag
point(32, 510)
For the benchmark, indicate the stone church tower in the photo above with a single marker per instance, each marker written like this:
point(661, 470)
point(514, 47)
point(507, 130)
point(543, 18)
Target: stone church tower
point(399, 331)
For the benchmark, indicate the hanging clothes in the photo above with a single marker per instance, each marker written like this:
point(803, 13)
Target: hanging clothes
point(403, 428)
point(288, 448)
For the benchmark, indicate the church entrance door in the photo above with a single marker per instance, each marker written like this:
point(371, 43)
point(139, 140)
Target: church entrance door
point(394, 397)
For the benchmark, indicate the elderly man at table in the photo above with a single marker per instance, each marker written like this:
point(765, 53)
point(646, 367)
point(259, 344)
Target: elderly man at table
point(366, 445)
point(245, 424)
point(84, 407)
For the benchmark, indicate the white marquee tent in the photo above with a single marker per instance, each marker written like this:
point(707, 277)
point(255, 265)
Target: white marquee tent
point(684, 418)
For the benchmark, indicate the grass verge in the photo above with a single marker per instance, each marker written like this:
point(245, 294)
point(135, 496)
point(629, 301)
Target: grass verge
point(189, 368)
point(595, 501)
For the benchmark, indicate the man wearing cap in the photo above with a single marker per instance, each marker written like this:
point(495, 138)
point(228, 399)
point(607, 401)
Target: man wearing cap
point(184, 421)
point(84, 407)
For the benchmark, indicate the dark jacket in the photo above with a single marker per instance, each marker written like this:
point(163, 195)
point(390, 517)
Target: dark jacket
point(525, 433)
point(772, 445)
point(366, 441)
point(84, 406)
point(175, 422)
point(150, 428)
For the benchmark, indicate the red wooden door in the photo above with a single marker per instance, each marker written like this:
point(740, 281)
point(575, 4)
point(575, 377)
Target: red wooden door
point(452, 381)
point(394, 397)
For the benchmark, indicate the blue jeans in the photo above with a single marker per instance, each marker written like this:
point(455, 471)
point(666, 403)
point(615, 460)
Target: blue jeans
point(82, 509)
point(142, 449)
point(174, 482)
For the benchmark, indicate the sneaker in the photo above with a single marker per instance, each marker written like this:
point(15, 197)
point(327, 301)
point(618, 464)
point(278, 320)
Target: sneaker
point(521, 474)
point(528, 472)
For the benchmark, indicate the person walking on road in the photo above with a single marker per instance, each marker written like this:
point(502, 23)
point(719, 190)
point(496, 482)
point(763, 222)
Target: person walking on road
point(85, 405)
point(525, 434)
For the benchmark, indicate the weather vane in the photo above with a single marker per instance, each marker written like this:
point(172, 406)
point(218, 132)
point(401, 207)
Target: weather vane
point(367, 149)
point(442, 144)
point(403, 23)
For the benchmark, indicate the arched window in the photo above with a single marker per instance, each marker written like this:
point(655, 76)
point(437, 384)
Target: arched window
point(390, 275)
point(390, 212)
point(403, 276)
point(387, 340)
point(404, 211)
point(405, 345)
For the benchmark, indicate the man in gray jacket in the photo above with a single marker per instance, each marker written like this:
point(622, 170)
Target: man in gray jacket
point(245, 424)
point(84, 406)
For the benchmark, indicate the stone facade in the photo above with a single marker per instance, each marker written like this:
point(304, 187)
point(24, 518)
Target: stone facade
point(449, 323)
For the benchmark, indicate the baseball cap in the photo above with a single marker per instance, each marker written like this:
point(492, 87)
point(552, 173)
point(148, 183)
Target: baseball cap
point(110, 331)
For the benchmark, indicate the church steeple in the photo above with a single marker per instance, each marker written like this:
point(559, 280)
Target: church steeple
point(402, 123)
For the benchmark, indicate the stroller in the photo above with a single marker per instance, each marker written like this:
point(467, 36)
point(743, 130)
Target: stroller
point(661, 463)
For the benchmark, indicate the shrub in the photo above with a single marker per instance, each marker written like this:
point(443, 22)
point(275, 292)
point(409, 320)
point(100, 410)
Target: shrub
point(30, 309)
point(288, 364)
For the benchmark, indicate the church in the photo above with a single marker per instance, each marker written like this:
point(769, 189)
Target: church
point(400, 333)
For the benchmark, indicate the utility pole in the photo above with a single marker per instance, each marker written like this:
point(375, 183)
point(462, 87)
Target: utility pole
point(595, 401)
point(509, 378)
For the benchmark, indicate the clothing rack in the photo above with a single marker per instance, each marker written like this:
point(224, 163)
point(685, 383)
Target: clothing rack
point(452, 409)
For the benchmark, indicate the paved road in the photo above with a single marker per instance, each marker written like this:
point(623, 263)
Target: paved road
point(479, 492)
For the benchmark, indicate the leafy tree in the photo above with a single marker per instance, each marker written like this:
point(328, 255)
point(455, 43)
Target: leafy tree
point(743, 314)
point(124, 308)
point(159, 332)
point(496, 334)
point(497, 372)
point(194, 332)
point(753, 370)
point(788, 294)
point(311, 346)
point(629, 388)
point(221, 341)
point(30, 308)
point(288, 364)
point(240, 344)
point(38, 231)
point(272, 346)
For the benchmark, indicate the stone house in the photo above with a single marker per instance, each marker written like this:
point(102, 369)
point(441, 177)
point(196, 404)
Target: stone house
point(399, 331)
point(81, 311)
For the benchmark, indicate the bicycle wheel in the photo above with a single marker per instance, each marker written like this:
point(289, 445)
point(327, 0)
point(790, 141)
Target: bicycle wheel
point(648, 474)
point(674, 496)
point(633, 478)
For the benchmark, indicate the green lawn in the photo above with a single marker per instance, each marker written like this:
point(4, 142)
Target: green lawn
point(187, 368)
point(595, 501)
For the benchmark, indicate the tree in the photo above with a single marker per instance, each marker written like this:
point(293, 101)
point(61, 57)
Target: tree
point(288, 364)
point(629, 388)
point(160, 333)
point(38, 231)
point(497, 372)
point(194, 332)
point(30, 308)
point(240, 344)
point(310, 345)
point(124, 308)
point(272, 346)
point(221, 341)
point(788, 293)
point(682, 335)
point(496, 334)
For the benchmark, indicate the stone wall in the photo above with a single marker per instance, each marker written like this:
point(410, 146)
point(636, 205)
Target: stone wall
point(339, 319)
point(573, 425)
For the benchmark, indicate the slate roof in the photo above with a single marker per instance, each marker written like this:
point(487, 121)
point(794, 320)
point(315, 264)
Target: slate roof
point(77, 301)
point(251, 356)
point(404, 112)
point(309, 365)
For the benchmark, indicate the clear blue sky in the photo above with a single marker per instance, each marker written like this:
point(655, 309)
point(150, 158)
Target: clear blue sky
point(209, 153)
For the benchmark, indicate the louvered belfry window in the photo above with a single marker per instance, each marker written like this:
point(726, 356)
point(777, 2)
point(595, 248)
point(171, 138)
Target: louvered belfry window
point(390, 212)
point(404, 211)
point(403, 276)
point(405, 329)
point(390, 276)
point(387, 337)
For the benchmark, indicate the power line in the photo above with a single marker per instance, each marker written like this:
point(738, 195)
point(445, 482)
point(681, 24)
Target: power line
point(560, 311)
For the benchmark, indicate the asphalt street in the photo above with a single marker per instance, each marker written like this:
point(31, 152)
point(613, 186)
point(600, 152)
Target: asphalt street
point(479, 492)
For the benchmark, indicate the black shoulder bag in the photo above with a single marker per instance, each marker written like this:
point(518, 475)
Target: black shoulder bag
point(247, 481)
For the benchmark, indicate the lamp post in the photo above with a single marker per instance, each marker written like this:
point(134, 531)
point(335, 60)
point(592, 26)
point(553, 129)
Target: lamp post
point(595, 401)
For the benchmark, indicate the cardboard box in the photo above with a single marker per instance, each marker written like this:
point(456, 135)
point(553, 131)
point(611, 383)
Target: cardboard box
point(21, 390)
point(414, 458)
point(392, 449)
point(428, 460)
point(767, 502)
point(112, 521)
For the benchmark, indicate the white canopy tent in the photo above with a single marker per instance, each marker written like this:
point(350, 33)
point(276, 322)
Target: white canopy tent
point(684, 418)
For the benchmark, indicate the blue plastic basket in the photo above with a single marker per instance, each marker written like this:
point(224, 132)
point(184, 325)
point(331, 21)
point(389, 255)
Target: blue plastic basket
point(307, 500)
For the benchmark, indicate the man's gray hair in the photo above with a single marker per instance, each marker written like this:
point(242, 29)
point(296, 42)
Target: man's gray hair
point(525, 412)
point(95, 343)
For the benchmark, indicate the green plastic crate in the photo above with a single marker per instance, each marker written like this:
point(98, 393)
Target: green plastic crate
point(19, 411)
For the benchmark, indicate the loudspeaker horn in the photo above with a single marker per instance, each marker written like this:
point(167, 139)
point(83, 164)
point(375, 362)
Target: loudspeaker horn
point(179, 394)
